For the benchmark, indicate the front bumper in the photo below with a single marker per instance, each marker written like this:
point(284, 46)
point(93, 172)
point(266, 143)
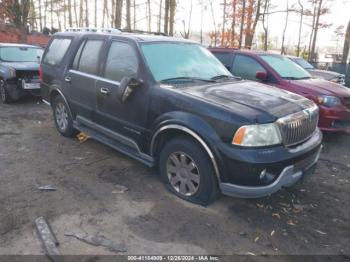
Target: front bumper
point(289, 176)
point(260, 172)
point(335, 119)
point(19, 87)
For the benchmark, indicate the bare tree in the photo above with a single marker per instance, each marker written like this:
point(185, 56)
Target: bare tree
point(87, 23)
point(300, 26)
point(187, 32)
point(214, 22)
point(128, 15)
point(149, 16)
point(118, 13)
point(223, 25)
point(346, 44)
point(233, 24)
point(172, 16)
point(266, 23)
point(166, 16)
point(160, 15)
point(283, 51)
point(81, 13)
point(95, 13)
point(242, 23)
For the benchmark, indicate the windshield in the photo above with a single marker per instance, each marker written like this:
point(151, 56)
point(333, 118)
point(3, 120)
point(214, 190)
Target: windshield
point(182, 60)
point(303, 63)
point(20, 54)
point(285, 67)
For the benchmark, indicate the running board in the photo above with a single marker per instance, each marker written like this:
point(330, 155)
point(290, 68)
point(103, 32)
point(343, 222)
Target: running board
point(116, 145)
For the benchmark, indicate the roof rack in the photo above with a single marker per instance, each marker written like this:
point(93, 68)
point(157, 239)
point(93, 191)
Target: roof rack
point(111, 31)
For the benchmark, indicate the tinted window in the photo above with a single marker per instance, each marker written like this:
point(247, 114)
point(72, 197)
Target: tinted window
point(246, 67)
point(89, 57)
point(56, 51)
point(121, 62)
point(285, 67)
point(225, 58)
point(77, 57)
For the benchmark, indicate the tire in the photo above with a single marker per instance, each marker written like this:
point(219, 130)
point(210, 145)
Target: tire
point(63, 118)
point(199, 185)
point(4, 95)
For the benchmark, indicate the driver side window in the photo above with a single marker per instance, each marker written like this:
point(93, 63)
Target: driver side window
point(246, 67)
point(121, 62)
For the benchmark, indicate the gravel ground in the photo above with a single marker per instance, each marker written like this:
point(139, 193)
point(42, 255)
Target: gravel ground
point(310, 218)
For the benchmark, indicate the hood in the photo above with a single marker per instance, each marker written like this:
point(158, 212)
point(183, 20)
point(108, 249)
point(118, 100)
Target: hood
point(321, 87)
point(21, 66)
point(261, 98)
point(327, 75)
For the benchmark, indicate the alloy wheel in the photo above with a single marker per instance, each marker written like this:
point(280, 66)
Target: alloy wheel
point(61, 116)
point(183, 173)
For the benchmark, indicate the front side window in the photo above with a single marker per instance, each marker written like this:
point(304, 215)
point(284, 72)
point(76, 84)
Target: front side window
point(56, 51)
point(285, 67)
point(87, 57)
point(177, 60)
point(20, 54)
point(304, 64)
point(246, 67)
point(121, 62)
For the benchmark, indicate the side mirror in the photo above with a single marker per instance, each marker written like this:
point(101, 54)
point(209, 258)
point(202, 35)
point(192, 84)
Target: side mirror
point(261, 75)
point(127, 87)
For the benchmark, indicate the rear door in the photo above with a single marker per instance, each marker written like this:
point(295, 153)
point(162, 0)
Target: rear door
point(246, 67)
point(82, 76)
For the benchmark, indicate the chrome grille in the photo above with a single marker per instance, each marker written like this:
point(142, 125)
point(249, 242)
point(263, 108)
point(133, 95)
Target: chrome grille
point(298, 127)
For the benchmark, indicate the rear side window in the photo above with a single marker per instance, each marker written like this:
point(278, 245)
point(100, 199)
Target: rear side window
point(87, 57)
point(225, 58)
point(121, 62)
point(56, 51)
point(246, 67)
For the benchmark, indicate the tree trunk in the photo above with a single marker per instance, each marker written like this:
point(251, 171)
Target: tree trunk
point(250, 36)
point(40, 17)
point(128, 15)
point(242, 24)
point(223, 25)
point(149, 16)
point(118, 14)
point(166, 16)
point(214, 22)
point(81, 13)
point(172, 16)
point(346, 44)
point(266, 24)
point(95, 13)
point(51, 13)
point(233, 25)
point(283, 51)
point(160, 16)
point(312, 31)
point(313, 49)
point(134, 27)
point(75, 13)
point(300, 26)
point(87, 23)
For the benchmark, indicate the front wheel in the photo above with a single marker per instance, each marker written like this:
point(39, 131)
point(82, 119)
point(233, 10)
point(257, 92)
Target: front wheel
point(63, 118)
point(188, 172)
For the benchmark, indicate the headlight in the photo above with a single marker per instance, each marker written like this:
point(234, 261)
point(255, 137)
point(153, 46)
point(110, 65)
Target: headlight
point(12, 72)
point(329, 101)
point(258, 135)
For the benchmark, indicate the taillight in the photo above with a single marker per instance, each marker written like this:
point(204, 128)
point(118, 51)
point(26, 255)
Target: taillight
point(41, 73)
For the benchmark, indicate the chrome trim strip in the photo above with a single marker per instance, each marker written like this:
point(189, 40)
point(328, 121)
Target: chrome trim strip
point(94, 77)
point(46, 102)
point(194, 135)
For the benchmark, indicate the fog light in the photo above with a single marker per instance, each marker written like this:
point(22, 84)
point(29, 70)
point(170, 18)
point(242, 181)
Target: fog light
point(263, 174)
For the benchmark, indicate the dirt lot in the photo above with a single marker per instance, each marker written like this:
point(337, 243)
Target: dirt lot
point(310, 218)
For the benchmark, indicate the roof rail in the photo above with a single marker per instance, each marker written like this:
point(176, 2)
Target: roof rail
point(111, 31)
point(93, 30)
point(142, 32)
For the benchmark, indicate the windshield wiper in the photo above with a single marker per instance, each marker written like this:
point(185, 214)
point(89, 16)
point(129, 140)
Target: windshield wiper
point(296, 78)
point(224, 77)
point(188, 78)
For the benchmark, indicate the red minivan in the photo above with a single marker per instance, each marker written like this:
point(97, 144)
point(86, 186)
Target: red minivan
point(279, 71)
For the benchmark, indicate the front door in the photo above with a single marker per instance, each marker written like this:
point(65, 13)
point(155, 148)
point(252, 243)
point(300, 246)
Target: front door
point(127, 118)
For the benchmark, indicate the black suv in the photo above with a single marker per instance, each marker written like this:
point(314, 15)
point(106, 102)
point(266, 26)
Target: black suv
point(171, 103)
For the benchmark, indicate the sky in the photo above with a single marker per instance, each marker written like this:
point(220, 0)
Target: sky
point(340, 15)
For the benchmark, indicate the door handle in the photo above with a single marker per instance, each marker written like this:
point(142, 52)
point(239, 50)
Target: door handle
point(68, 79)
point(104, 91)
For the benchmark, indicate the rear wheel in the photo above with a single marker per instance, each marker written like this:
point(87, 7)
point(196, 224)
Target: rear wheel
point(63, 118)
point(4, 95)
point(188, 172)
